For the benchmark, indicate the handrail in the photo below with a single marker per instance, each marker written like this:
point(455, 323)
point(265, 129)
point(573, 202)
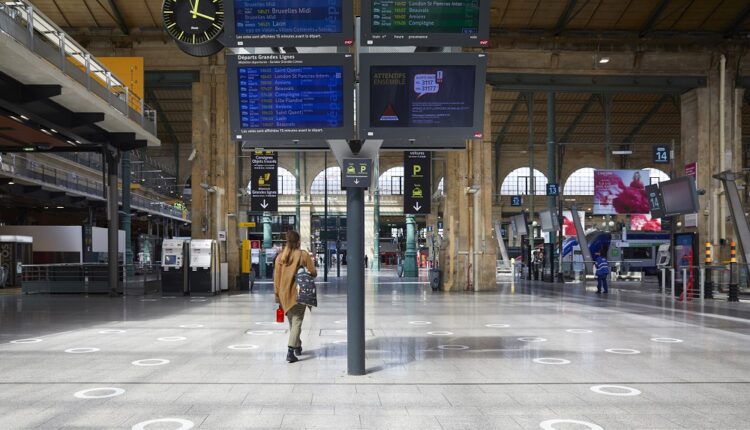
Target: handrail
point(73, 60)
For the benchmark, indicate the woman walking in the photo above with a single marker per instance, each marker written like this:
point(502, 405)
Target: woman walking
point(291, 259)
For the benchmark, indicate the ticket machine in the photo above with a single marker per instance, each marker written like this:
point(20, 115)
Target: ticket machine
point(174, 277)
point(204, 268)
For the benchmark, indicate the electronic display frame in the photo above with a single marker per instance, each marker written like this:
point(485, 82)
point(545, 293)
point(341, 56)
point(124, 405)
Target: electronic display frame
point(345, 38)
point(686, 202)
point(422, 39)
point(265, 138)
point(368, 131)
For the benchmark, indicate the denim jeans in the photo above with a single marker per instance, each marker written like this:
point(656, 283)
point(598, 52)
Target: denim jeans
point(601, 283)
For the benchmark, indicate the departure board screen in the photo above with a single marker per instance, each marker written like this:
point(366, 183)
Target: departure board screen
point(426, 22)
point(422, 95)
point(295, 22)
point(281, 94)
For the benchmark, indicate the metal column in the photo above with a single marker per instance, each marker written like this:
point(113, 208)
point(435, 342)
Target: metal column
point(551, 175)
point(410, 256)
point(125, 221)
point(112, 208)
point(298, 213)
point(376, 216)
point(325, 218)
point(532, 182)
point(355, 297)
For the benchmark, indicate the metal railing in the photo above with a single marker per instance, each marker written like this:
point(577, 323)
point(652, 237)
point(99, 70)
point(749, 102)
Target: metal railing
point(19, 166)
point(87, 278)
point(39, 34)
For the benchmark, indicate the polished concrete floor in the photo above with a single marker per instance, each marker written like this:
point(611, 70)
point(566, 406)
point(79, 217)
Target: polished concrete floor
point(526, 356)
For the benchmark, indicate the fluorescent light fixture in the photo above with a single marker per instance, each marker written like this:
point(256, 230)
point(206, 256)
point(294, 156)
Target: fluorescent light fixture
point(622, 152)
point(47, 132)
point(11, 182)
point(604, 60)
point(15, 118)
point(61, 207)
point(24, 117)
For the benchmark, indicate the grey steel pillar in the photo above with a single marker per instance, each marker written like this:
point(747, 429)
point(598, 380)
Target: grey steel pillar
point(551, 172)
point(410, 256)
point(532, 179)
point(355, 297)
point(607, 102)
point(298, 213)
point(112, 208)
point(376, 216)
point(267, 242)
point(125, 221)
point(326, 255)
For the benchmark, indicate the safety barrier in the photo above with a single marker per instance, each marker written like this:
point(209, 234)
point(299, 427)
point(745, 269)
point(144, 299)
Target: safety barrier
point(89, 278)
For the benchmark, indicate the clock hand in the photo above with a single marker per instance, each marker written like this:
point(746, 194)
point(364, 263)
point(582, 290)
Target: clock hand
point(195, 8)
point(198, 14)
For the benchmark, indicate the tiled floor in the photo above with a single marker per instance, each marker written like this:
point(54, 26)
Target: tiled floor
point(522, 357)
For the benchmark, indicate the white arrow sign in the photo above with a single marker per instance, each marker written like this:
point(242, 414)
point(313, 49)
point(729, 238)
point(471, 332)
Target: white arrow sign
point(417, 207)
point(356, 181)
point(264, 204)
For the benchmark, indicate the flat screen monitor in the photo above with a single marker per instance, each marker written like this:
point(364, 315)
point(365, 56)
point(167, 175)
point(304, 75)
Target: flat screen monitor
point(422, 95)
point(272, 23)
point(425, 23)
point(549, 221)
point(291, 97)
point(170, 260)
point(519, 224)
point(680, 196)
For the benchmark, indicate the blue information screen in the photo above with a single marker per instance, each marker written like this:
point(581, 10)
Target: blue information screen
point(263, 17)
point(293, 98)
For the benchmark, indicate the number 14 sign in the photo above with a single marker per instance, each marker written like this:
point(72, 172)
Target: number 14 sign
point(661, 154)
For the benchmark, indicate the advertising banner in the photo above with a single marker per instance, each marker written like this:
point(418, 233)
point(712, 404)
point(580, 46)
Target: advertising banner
point(569, 227)
point(643, 222)
point(620, 192)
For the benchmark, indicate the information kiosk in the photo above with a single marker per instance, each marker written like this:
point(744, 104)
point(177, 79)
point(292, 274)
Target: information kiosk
point(204, 268)
point(174, 277)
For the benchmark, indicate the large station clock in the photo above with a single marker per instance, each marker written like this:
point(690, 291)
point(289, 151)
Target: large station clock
point(196, 25)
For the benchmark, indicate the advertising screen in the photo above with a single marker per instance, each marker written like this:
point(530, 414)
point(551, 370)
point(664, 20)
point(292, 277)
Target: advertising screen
point(291, 96)
point(422, 95)
point(425, 23)
point(569, 226)
point(548, 220)
point(261, 23)
point(644, 222)
point(620, 192)
point(518, 222)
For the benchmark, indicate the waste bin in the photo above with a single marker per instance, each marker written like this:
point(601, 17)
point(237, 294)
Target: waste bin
point(435, 279)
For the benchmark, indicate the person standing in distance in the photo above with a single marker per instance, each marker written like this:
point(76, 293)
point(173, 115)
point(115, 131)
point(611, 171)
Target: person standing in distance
point(602, 272)
point(288, 262)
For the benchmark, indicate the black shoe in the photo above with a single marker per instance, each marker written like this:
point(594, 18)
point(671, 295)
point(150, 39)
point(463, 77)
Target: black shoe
point(598, 292)
point(298, 351)
point(290, 356)
point(606, 292)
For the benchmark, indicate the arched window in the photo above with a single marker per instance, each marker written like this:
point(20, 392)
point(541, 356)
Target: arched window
point(334, 182)
point(656, 176)
point(580, 183)
point(392, 182)
point(287, 182)
point(518, 182)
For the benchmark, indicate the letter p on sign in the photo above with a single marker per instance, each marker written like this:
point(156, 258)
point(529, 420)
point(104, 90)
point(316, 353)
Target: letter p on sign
point(416, 170)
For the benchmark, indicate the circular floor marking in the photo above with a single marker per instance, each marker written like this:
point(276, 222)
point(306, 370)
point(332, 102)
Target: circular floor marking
point(22, 341)
point(579, 331)
point(269, 323)
point(440, 333)
point(259, 332)
point(171, 338)
point(81, 350)
point(550, 424)
point(150, 362)
point(169, 297)
point(192, 326)
point(184, 424)
point(623, 351)
point(149, 300)
point(453, 347)
point(340, 322)
point(339, 342)
point(420, 322)
point(198, 300)
point(615, 390)
point(532, 339)
point(87, 394)
point(666, 340)
point(243, 347)
point(497, 325)
point(111, 331)
point(551, 361)
point(340, 332)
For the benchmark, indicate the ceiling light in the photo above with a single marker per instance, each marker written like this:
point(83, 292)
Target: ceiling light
point(11, 182)
point(45, 131)
point(622, 152)
point(25, 117)
point(604, 60)
point(28, 148)
point(61, 207)
point(15, 118)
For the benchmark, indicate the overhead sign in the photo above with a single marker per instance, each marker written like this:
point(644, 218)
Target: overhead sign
point(356, 173)
point(417, 182)
point(516, 201)
point(250, 224)
point(264, 185)
point(661, 154)
point(655, 201)
point(553, 190)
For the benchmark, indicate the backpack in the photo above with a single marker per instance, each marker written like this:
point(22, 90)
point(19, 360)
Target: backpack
point(307, 292)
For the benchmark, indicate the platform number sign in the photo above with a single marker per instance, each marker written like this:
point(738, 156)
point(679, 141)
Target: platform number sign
point(516, 201)
point(661, 154)
point(553, 190)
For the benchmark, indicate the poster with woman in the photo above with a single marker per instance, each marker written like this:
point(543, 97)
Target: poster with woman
point(620, 192)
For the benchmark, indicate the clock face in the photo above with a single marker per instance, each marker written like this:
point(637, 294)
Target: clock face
point(193, 22)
